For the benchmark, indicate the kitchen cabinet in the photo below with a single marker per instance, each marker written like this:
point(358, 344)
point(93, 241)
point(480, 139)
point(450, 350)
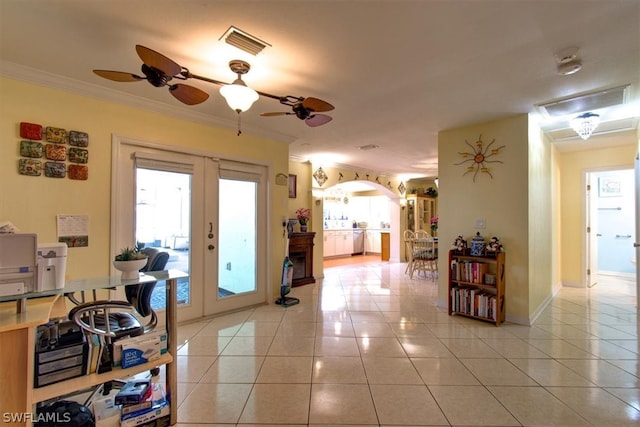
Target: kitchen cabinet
point(373, 242)
point(337, 243)
point(329, 243)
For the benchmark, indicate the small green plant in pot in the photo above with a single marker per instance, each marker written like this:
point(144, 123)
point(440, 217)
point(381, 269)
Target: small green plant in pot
point(130, 261)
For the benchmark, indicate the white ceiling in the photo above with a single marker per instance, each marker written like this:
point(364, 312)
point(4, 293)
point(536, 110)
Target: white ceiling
point(398, 72)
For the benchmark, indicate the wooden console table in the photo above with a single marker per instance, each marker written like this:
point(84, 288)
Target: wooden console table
point(301, 254)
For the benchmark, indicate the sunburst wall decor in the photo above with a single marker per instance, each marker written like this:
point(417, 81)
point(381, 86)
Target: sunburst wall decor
point(478, 157)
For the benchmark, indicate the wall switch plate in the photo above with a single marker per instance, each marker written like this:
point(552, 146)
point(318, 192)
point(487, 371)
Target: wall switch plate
point(480, 223)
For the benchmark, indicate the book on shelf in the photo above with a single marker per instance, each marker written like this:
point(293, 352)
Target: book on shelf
point(151, 415)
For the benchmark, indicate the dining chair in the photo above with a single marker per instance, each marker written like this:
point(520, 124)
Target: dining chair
point(425, 257)
point(408, 235)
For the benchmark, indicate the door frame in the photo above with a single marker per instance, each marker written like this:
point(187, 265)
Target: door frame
point(590, 215)
point(121, 231)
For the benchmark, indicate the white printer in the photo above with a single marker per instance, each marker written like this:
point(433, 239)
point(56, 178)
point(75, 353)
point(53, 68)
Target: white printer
point(52, 265)
point(17, 263)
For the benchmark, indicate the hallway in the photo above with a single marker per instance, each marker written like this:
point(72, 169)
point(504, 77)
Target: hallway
point(368, 346)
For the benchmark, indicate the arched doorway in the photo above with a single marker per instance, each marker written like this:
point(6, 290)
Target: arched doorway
point(373, 209)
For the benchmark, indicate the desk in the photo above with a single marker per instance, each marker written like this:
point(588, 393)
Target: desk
point(18, 331)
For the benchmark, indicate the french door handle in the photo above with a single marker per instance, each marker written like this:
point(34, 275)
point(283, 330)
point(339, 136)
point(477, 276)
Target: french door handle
point(636, 245)
point(211, 247)
point(620, 236)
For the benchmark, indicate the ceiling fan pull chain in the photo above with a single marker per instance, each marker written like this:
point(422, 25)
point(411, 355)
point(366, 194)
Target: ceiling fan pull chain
point(239, 118)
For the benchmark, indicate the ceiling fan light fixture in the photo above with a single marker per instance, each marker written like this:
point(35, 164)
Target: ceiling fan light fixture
point(239, 96)
point(585, 124)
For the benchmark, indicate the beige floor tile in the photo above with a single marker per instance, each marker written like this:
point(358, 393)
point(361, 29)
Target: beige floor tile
point(631, 366)
point(631, 396)
point(604, 349)
point(201, 345)
point(380, 347)
point(192, 368)
point(367, 316)
point(497, 372)
point(471, 406)
point(248, 346)
point(549, 372)
point(292, 345)
point(535, 406)
point(373, 329)
point(297, 329)
point(278, 404)
point(560, 349)
point(515, 348)
point(443, 371)
point(338, 370)
point(335, 329)
point(234, 369)
point(597, 405)
point(184, 389)
point(341, 404)
point(469, 348)
point(424, 347)
point(336, 346)
point(451, 330)
point(214, 403)
point(407, 405)
point(283, 369)
point(258, 328)
point(602, 373)
point(409, 329)
point(390, 370)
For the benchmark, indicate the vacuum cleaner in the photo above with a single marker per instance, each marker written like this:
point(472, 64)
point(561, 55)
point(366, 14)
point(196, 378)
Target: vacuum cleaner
point(287, 273)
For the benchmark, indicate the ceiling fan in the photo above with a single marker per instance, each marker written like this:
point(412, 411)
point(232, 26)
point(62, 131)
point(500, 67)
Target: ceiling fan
point(305, 109)
point(159, 71)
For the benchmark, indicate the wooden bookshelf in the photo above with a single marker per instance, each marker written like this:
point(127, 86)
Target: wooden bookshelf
point(477, 286)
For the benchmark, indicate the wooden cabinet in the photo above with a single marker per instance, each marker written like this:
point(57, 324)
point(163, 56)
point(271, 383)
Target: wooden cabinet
point(420, 209)
point(18, 332)
point(301, 255)
point(385, 248)
point(477, 286)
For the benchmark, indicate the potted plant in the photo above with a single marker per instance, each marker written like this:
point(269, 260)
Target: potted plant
point(303, 215)
point(129, 261)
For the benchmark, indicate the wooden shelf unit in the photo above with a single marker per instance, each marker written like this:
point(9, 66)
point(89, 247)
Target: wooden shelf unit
point(18, 325)
point(469, 294)
point(420, 209)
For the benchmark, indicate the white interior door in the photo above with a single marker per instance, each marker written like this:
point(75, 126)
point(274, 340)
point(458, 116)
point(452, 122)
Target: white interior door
point(591, 231)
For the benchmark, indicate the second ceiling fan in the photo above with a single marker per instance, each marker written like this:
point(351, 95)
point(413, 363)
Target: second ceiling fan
point(160, 71)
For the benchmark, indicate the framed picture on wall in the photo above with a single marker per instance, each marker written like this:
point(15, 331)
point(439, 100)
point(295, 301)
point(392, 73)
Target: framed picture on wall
point(293, 183)
point(609, 186)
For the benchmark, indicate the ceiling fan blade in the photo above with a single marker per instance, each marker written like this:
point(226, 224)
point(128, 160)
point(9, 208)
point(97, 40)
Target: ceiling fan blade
point(316, 105)
point(275, 113)
point(318, 120)
point(189, 95)
point(118, 76)
point(158, 61)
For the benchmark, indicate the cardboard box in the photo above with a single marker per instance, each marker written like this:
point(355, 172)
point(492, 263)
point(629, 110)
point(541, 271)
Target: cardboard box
point(160, 335)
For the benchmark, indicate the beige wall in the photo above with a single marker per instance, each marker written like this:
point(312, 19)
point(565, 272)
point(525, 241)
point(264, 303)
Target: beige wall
point(32, 203)
point(615, 151)
point(503, 202)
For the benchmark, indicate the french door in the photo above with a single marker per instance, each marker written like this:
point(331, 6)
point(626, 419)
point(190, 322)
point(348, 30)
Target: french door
point(208, 214)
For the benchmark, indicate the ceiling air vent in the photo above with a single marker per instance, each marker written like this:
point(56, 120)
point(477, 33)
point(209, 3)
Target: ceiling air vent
point(368, 147)
point(585, 102)
point(244, 41)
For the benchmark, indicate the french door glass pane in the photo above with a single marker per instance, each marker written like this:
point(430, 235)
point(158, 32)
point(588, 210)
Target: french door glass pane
point(237, 237)
point(163, 221)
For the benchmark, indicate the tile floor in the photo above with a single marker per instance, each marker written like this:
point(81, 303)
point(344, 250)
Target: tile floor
point(368, 346)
